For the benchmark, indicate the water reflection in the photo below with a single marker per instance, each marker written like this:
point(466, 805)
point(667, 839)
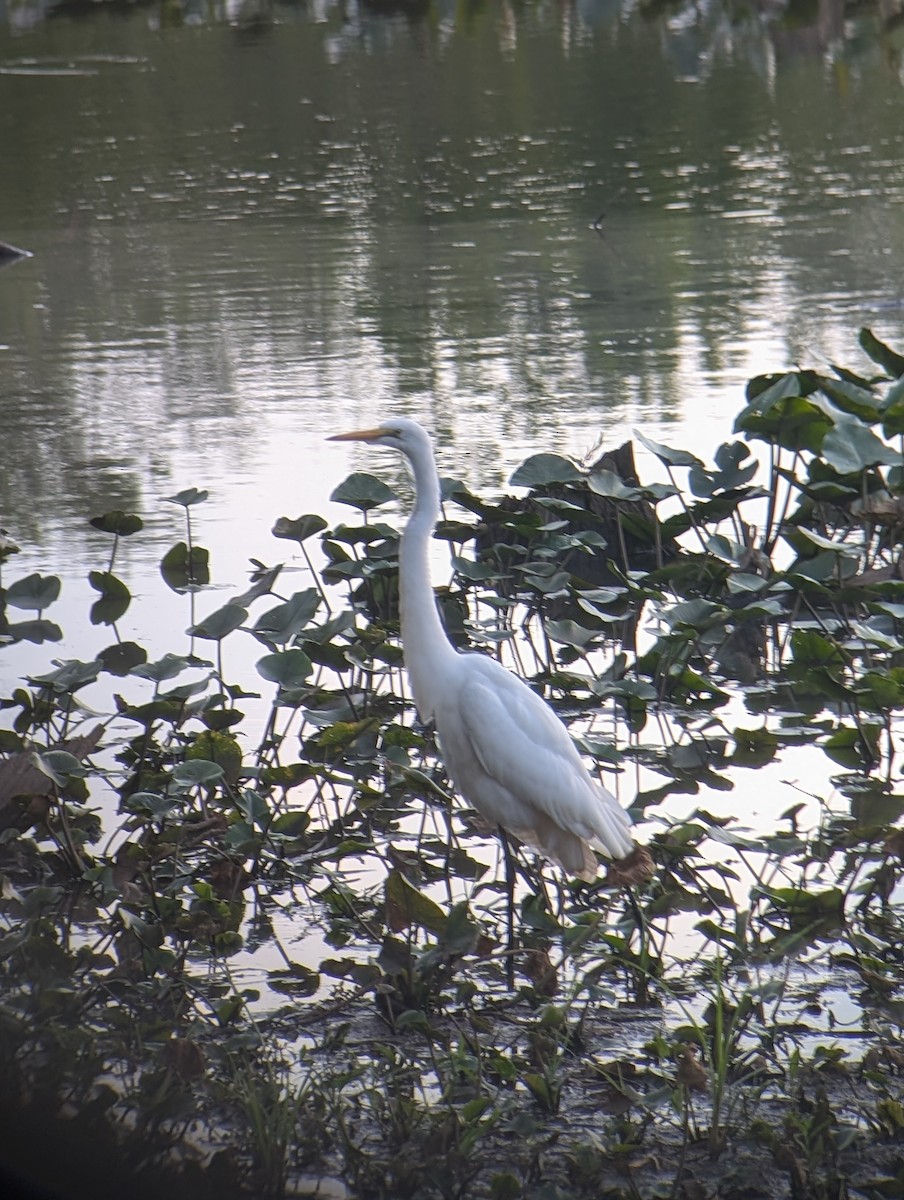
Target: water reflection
point(240, 240)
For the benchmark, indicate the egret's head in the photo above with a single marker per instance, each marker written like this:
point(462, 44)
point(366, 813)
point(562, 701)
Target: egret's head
point(399, 433)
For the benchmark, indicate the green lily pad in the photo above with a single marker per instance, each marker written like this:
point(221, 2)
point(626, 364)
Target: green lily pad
point(220, 623)
point(793, 422)
point(121, 658)
point(730, 473)
point(182, 569)
point(187, 498)
point(117, 522)
point(282, 623)
point(296, 980)
point(36, 632)
point(299, 529)
point(540, 470)
point(195, 771)
point(877, 350)
point(893, 410)
point(165, 668)
point(34, 592)
point(668, 455)
point(69, 676)
point(288, 668)
point(363, 491)
point(850, 446)
point(406, 906)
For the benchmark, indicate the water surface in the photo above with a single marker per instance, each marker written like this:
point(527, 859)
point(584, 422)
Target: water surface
point(530, 228)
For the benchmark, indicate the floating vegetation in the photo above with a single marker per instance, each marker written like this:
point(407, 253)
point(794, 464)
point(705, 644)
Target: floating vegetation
point(251, 945)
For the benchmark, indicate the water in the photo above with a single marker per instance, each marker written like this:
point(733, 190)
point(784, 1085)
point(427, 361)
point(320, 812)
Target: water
point(531, 229)
point(251, 228)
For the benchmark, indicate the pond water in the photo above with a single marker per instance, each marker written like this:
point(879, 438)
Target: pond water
point(534, 228)
point(531, 227)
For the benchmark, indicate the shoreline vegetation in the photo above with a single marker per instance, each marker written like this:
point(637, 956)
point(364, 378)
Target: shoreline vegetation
point(251, 946)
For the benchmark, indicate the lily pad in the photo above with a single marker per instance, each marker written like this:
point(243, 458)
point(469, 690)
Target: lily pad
point(37, 632)
point(183, 569)
point(406, 906)
point(296, 980)
point(540, 470)
point(888, 359)
point(363, 491)
point(34, 592)
point(122, 657)
point(793, 422)
point(69, 676)
point(299, 529)
point(893, 410)
point(167, 667)
point(117, 522)
point(282, 623)
point(192, 772)
point(850, 446)
point(188, 497)
point(220, 623)
point(730, 473)
point(666, 454)
point(288, 668)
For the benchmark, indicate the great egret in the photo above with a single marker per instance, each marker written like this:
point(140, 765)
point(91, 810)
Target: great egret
point(507, 752)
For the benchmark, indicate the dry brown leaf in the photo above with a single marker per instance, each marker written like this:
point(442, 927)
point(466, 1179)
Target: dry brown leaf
point(636, 867)
point(539, 970)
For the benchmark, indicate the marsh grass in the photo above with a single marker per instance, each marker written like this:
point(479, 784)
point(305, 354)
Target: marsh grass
point(250, 935)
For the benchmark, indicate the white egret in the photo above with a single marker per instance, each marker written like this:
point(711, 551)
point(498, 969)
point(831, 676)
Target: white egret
point(506, 751)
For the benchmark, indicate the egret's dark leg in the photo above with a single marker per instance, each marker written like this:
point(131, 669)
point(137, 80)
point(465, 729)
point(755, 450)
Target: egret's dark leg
point(642, 955)
point(510, 899)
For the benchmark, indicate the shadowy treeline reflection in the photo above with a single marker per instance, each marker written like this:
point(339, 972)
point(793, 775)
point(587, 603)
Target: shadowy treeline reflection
point(695, 29)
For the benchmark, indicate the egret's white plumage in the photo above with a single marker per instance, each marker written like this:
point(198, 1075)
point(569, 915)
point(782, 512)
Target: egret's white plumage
point(507, 752)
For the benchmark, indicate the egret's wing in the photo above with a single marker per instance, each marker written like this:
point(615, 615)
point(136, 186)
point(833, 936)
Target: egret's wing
point(523, 748)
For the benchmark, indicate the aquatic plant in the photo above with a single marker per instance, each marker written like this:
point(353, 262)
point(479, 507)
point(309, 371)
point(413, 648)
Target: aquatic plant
point(169, 829)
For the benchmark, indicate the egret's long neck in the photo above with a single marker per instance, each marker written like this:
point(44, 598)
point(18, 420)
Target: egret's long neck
point(428, 651)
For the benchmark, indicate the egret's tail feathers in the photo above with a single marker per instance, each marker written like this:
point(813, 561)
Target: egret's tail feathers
point(607, 828)
point(613, 833)
point(570, 852)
